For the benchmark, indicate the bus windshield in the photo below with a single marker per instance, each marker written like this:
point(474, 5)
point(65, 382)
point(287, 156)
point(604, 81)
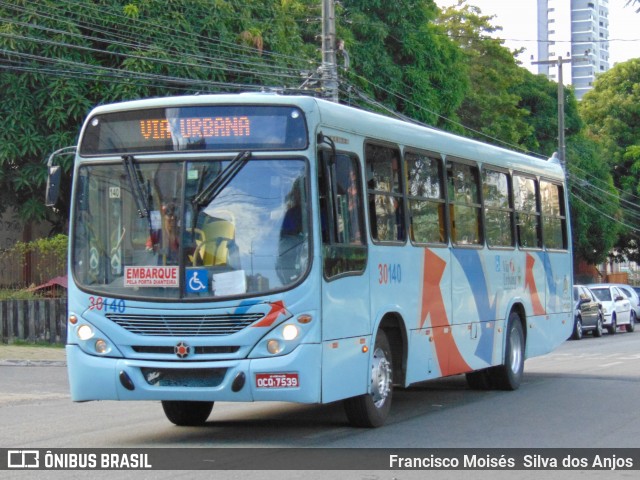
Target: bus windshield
point(143, 230)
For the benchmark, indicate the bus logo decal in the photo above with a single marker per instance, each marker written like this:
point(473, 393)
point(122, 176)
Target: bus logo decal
point(277, 309)
point(182, 350)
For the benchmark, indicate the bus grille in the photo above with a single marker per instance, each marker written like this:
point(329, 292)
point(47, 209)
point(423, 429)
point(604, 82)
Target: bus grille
point(170, 377)
point(185, 325)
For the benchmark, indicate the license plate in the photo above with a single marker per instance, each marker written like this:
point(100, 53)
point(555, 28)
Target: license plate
point(277, 380)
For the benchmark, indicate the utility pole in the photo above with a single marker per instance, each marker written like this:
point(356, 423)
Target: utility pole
point(329, 67)
point(561, 142)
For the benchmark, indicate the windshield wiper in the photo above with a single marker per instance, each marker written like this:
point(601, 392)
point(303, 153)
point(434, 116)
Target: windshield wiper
point(137, 188)
point(218, 184)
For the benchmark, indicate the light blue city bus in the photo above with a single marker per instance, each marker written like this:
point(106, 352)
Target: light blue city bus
point(262, 247)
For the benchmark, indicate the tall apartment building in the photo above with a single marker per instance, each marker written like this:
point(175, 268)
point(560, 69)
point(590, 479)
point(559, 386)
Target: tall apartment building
point(586, 24)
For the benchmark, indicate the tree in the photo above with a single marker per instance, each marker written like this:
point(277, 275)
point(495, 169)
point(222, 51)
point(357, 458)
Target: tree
point(594, 201)
point(490, 110)
point(59, 58)
point(507, 104)
point(539, 98)
point(402, 59)
point(611, 111)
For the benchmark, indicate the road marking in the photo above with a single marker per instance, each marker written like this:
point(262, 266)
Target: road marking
point(9, 398)
point(610, 364)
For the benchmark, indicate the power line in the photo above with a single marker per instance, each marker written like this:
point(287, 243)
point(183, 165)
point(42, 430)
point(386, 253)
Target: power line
point(442, 117)
point(147, 26)
point(230, 62)
point(137, 45)
point(163, 61)
point(633, 229)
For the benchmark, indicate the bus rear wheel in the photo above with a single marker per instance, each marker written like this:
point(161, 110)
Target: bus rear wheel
point(509, 375)
point(187, 414)
point(371, 409)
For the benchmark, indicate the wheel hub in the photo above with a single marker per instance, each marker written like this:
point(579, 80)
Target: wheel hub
point(380, 377)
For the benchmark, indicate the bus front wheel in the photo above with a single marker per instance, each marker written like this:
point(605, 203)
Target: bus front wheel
point(187, 414)
point(371, 409)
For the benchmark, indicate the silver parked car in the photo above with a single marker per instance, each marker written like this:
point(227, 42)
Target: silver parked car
point(616, 307)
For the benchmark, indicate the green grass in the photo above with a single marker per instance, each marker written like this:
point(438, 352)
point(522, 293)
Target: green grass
point(12, 294)
point(38, 344)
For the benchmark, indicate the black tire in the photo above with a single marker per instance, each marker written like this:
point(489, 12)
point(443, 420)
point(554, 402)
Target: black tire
point(479, 380)
point(187, 414)
point(632, 322)
point(371, 409)
point(509, 375)
point(613, 327)
point(599, 328)
point(577, 329)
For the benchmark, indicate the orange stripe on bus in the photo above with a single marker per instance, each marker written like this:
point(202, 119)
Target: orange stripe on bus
point(530, 283)
point(449, 356)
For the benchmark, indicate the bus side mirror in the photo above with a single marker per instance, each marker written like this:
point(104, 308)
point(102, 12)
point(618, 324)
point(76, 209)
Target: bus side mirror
point(53, 186)
point(55, 176)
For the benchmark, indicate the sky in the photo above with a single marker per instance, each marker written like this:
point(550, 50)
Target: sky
point(518, 21)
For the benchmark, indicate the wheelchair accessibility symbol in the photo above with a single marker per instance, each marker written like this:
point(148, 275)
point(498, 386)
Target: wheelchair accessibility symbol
point(197, 280)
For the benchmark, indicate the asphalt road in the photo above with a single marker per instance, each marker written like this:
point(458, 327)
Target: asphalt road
point(585, 394)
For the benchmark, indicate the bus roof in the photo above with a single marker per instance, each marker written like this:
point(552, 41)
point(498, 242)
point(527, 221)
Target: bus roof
point(368, 124)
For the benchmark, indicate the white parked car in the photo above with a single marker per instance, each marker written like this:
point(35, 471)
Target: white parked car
point(633, 298)
point(616, 307)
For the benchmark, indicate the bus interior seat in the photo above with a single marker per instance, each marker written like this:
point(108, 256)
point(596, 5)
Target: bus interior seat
point(213, 249)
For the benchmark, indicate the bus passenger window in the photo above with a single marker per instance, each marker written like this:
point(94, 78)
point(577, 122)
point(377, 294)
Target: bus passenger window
point(425, 195)
point(347, 201)
point(525, 197)
point(498, 210)
point(553, 218)
point(464, 204)
point(385, 193)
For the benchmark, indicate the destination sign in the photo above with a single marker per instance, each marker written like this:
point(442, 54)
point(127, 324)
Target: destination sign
point(205, 128)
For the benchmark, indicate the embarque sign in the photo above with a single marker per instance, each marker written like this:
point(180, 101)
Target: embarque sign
point(151, 277)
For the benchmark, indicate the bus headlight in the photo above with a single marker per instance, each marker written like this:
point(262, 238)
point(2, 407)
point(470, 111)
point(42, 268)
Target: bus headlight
point(85, 332)
point(102, 347)
point(92, 341)
point(290, 332)
point(274, 347)
point(284, 338)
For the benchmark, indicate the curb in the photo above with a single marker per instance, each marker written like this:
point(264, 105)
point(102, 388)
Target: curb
point(25, 355)
point(33, 363)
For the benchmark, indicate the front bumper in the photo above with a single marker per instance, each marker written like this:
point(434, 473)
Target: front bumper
point(100, 378)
